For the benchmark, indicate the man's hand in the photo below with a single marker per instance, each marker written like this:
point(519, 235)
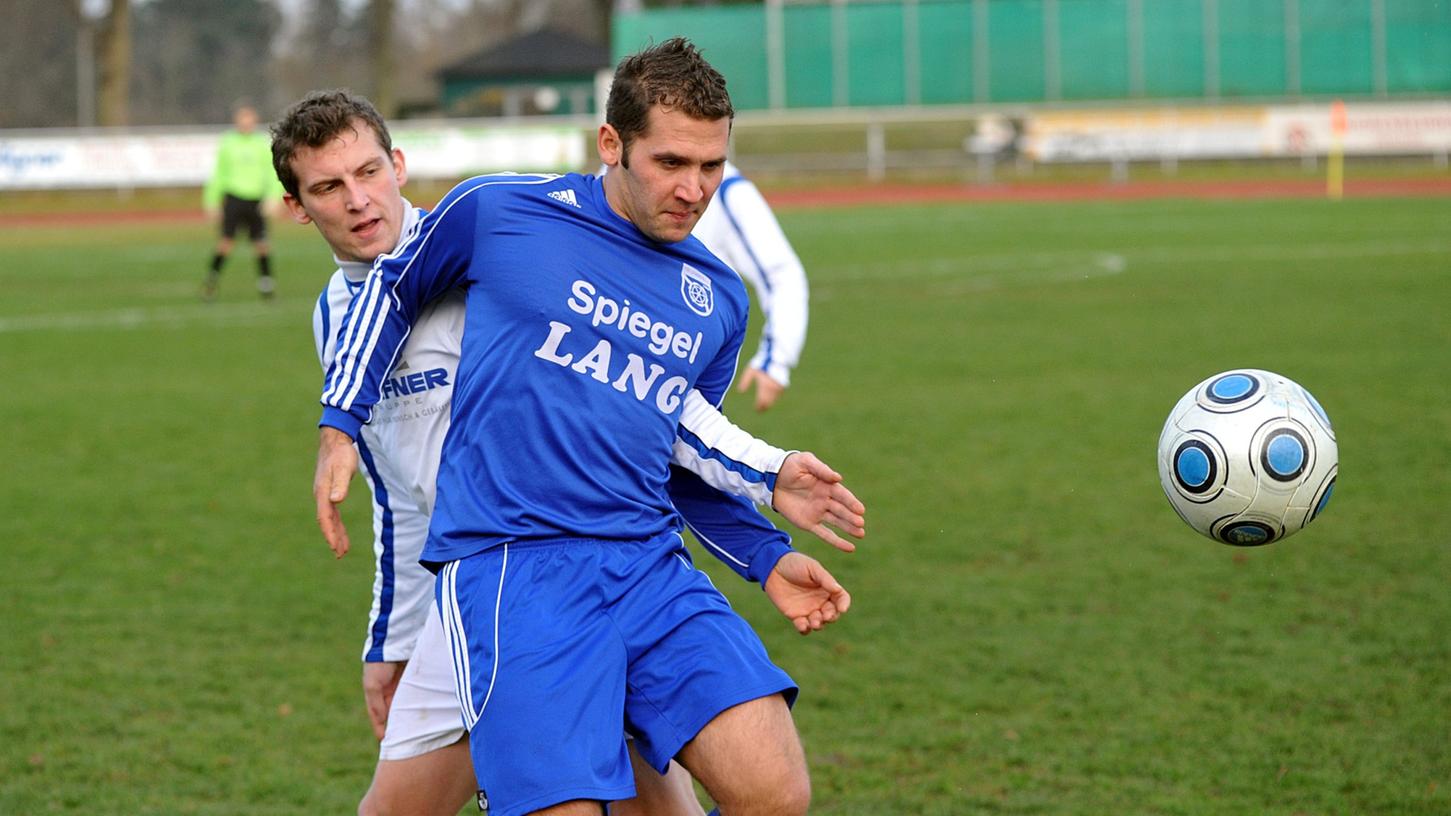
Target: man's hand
point(805, 592)
point(767, 389)
point(380, 683)
point(337, 461)
point(811, 496)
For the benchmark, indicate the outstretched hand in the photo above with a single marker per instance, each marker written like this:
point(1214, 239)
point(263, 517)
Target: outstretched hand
point(811, 496)
point(805, 592)
point(336, 464)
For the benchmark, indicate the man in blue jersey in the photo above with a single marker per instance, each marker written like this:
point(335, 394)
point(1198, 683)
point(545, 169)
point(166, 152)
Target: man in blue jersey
point(333, 153)
point(569, 602)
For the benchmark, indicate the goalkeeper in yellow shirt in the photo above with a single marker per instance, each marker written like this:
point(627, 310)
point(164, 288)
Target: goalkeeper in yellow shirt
point(241, 187)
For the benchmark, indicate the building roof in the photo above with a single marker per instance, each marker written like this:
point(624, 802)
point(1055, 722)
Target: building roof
point(544, 52)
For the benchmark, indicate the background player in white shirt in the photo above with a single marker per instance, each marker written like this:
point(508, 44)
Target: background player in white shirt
point(740, 229)
point(349, 189)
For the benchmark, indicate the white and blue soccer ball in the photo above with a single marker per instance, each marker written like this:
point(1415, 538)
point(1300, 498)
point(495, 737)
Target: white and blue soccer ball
point(1248, 457)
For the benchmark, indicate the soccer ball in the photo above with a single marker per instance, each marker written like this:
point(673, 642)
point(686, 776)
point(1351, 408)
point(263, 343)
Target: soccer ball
point(1248, 457)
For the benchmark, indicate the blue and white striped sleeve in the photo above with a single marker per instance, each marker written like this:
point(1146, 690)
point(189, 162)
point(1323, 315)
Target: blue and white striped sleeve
point(759, 251)
point(429, 261)
point(724, 456)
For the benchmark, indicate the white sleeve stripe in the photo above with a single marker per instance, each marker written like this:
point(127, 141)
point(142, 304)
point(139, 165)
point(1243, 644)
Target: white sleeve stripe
point(716, 547)
point(349, 335)
point(380, 320)
point(362, 329)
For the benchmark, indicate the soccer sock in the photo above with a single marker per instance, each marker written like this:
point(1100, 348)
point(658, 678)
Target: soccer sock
point(209, 287)
point(265, 284)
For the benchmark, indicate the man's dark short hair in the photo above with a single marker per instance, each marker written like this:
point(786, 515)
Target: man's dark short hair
point(673, 75)
point(317, 119)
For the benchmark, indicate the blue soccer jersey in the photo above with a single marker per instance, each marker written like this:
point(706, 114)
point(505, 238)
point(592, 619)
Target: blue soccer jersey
point(581, 340)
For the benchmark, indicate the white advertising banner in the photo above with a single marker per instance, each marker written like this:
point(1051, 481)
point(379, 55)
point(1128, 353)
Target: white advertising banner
point(1390, 129)
point(106, 161)
point(1262, 131)
point(1133, 135)
point(449, 151)
point(433, 151)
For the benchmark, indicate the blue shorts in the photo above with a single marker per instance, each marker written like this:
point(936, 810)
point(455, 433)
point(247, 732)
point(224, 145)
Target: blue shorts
point(564, 645)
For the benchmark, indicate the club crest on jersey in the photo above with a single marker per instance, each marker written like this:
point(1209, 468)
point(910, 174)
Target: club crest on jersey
point(695, 288)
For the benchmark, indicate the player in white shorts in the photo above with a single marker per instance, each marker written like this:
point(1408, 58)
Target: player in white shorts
point(739, 228)
point(345, 187)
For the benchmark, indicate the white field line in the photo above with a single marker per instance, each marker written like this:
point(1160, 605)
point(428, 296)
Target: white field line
point(164, 317)
point(986, 272)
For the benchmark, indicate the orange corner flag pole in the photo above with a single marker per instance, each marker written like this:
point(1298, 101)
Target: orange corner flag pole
point(1335, 161)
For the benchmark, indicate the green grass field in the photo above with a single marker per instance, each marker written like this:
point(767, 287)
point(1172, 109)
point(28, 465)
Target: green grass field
point(1034, 631)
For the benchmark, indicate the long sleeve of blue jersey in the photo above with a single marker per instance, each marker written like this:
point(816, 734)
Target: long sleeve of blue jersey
point(728, 526)
point(430, 259)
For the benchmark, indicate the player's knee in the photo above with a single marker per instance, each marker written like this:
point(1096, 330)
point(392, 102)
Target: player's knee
point(796, 795)
point(789, 794)
point(375, 805)
point(793, 798)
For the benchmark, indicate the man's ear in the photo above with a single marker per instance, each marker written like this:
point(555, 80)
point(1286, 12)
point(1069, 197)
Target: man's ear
point(294, 208)
point(400, 167)
point(609, 144)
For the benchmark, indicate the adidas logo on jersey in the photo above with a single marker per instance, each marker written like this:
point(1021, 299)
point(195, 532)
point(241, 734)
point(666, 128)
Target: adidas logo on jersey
point(567, 196)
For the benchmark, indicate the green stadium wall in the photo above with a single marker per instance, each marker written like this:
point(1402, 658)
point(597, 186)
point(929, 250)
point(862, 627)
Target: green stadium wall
point(953, 52)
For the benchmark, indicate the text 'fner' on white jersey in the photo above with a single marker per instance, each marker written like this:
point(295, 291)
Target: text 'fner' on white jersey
point(741, 230)
point(597, 336)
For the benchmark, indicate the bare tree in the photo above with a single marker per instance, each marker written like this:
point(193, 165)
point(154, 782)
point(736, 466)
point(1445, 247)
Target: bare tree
point(201, 58)
point(326, 50)
point(38, 66)
point(380, 55)
point(114, 91)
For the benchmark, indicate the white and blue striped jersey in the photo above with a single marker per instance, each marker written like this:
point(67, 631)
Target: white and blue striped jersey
point(741, 230)
point(409, 437)
point(398, 453)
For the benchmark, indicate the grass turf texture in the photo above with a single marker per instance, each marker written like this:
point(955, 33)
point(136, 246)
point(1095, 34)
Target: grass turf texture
point(1034, 631)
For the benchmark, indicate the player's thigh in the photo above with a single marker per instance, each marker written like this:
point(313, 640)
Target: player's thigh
point(437, 783)
point(750, 753)
point(670, 794)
